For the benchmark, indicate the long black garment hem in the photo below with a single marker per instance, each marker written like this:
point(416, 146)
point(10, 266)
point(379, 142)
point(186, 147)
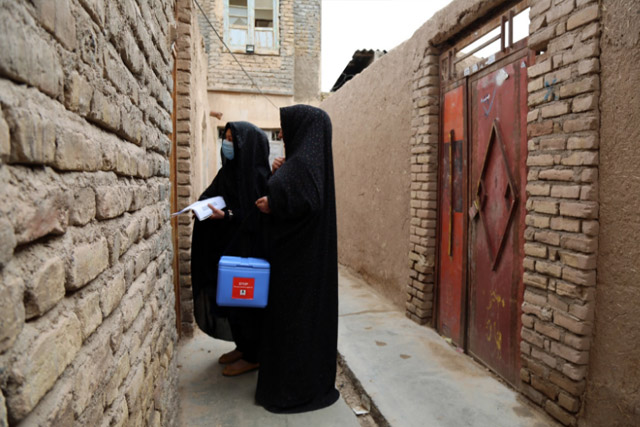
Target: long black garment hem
point(246, 324)
point(300, 333)
point(319, 402)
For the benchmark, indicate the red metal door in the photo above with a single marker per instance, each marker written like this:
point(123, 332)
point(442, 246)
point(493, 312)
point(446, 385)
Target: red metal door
point(450, 321)
point(498, 151)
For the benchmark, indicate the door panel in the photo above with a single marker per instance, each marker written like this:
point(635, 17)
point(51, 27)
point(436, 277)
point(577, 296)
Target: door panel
point(498, 149)
point(450, 262)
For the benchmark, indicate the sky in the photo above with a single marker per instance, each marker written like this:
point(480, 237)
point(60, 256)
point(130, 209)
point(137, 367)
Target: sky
point(350, 25)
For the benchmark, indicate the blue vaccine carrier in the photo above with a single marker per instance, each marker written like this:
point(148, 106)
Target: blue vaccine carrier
point(243, 282)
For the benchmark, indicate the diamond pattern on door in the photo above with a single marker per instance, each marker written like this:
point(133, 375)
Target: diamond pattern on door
point(497, 195)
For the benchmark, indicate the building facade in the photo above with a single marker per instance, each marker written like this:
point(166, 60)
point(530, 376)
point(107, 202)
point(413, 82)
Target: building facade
point(277, 42)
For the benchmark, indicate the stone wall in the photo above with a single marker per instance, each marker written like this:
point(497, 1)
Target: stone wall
point(196, 141)
point(87, 330)
point(613, 391)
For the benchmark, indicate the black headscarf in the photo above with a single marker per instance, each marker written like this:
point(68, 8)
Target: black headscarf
point(298, 363)
point(240, 182)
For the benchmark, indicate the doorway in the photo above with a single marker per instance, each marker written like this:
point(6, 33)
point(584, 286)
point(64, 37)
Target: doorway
point(482, 195)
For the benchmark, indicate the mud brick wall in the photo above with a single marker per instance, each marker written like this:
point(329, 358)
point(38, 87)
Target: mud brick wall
point(87, 325)
point(195, 139)
point(613, 392)
point(562, 232)
point(424, 185)
point(562, 207)
point(371, 169)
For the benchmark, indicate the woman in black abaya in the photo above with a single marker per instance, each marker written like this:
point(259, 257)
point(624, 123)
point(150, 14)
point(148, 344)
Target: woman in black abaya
point(298, 359)
point(236, 230)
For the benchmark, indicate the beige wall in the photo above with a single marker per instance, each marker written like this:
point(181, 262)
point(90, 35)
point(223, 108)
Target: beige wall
point(371, 117)
point(372, 132)
point(250, 107)
point(613, 394)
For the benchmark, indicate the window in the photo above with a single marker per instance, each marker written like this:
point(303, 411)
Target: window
point(252, 25)
point(495, 39)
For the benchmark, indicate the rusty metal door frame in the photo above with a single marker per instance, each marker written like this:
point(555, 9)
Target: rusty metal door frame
point(463, 310)
point(451, 78)
point(515, 296)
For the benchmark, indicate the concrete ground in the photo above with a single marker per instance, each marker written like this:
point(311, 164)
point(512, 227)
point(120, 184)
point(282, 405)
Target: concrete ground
point(412, 376)
point(209, 399)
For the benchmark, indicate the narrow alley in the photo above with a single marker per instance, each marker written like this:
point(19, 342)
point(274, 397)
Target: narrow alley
point(484, 218)
point(400, 365)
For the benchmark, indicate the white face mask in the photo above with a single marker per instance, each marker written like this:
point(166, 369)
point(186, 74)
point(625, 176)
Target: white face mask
point(227, 149)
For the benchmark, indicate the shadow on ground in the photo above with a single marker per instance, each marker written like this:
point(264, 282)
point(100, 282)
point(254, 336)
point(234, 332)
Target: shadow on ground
point(209, 399)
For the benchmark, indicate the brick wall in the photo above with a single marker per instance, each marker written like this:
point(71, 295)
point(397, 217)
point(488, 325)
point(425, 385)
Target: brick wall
point(562, 208)
point(295, 69)
point(424, 184)
point(87, 330)
point(433, 39)
point(273, 73)
point(562, 222)
point(196, 161)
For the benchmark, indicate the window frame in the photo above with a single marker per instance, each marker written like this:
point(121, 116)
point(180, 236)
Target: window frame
point(251, 30)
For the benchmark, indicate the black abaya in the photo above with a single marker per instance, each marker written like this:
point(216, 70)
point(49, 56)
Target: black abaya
point(298, 362)
point(240, 182)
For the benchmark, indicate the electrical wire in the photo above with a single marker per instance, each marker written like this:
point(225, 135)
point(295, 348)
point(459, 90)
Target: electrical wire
point(234, 57)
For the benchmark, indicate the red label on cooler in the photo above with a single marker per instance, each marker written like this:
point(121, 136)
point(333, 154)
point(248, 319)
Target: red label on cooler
point(242, 288)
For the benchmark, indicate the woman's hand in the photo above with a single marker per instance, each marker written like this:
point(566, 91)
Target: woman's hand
point(217, 213)
point(263, 204)
point(277, 162)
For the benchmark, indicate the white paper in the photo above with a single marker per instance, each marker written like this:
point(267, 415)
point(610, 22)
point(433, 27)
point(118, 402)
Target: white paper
point(201, 209)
